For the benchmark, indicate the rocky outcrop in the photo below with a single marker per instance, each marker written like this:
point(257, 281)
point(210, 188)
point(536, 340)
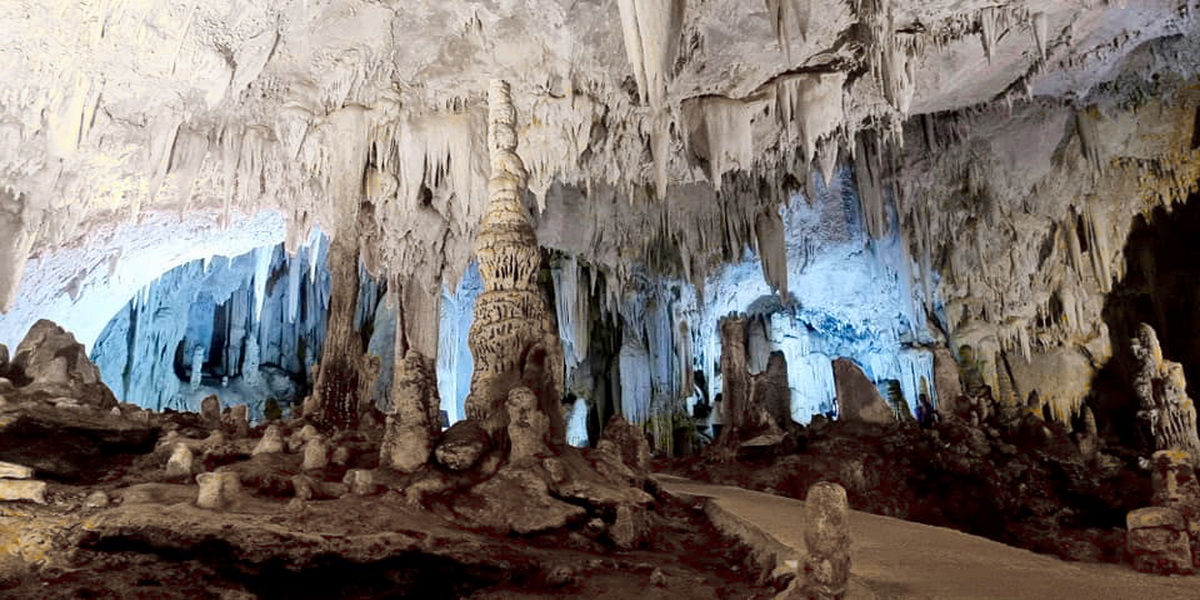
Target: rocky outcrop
point(53, 363)
point(1157, 541)
point(462, 445)
point(755, 407)
point(1167, 415)
point(1176, 487)
point(857, 397)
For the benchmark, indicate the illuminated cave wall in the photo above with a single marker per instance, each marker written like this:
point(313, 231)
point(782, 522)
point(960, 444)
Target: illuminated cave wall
point(253, 323)
point(850, 296)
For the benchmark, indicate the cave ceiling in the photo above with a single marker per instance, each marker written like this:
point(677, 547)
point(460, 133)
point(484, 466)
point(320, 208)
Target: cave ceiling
point(643, 123)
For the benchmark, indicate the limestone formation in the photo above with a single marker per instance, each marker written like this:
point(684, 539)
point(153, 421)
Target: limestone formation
point(303, 487)
point(316, 453)
point(857, 397)
point(1088, 440)
point(237, 421)
point(518, 501)
point(769, 391)
point(300, 437)
point(3, 360)
point(735, 394)
point(411, 428)
point(1157, 541)
point(210, 411)
point(528, 427)
point(272, 441)
point(361, 482)
point(826, 570)
point(629, 527)
point(630, 445)
point(340, 456)
point(218, 490)
point(1175, 486)
point(96, 499)
point(461, 446)
point(14, 471)
point(945, 380)
point(513, 338)
point(1167, 414)
point(50, 357)
point(23, 489)
point(181, 463)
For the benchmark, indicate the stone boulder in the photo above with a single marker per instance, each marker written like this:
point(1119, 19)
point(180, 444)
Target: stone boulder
point(70, 445)
point(50, 359)
point(218, 490)
point(1175, 486)
point(461, 445)
point(857, 397)
point(517, 501)
point(29, 490)
point(1157, 541)
point(272, 441)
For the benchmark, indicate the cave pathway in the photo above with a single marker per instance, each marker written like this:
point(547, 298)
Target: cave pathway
point(891, 558)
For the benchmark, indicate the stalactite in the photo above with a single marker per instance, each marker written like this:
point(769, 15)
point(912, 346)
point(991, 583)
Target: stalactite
point(788, 16)
point(652, 29)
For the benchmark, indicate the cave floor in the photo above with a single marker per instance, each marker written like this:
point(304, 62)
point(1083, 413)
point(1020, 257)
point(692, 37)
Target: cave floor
point(892, 558)
point(158, 544)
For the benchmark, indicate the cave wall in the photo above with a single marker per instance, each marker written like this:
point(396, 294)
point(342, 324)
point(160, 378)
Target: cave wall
point(1025, 213)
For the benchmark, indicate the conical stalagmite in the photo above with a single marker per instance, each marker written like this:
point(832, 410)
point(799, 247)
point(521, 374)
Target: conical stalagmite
point(514, 337)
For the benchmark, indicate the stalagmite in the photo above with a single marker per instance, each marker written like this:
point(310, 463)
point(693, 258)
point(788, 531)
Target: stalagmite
point(271, 443)
point(413, 423)
point(180, 463)
point(826, 569)
point(513, 338)
point(218, 490)
point(1167, 415)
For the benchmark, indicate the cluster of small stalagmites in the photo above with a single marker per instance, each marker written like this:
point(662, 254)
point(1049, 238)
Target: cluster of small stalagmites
point(1165, 537)
point(290, 459)
point(513, 337)
point(1166, 413)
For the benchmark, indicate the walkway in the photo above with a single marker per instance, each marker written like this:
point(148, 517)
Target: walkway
point(891, 558)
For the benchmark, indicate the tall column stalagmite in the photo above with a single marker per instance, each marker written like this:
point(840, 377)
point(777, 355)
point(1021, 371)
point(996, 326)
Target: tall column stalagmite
point(514, 337)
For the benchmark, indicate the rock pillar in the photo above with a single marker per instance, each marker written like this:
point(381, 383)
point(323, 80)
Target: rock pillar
point(1166, 414)
point(514, 337)
point(827, 536)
